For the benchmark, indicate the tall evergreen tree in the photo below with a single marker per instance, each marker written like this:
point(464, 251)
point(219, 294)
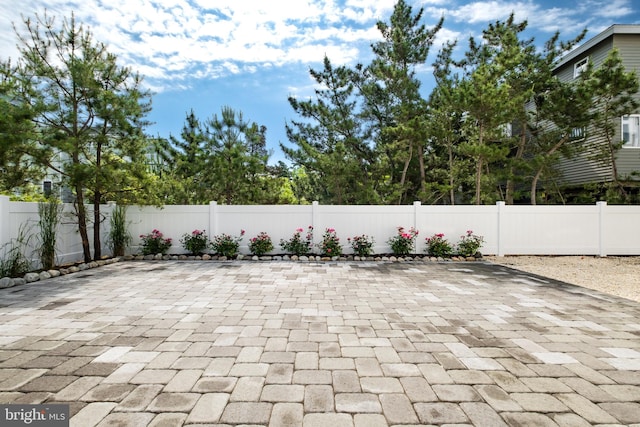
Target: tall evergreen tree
point(393, 103)
point(89, 112)
point(18, 134)
point(330, 142)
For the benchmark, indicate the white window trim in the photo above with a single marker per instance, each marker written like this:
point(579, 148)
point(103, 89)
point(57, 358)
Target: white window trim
point(580, 66)
point(635, 141)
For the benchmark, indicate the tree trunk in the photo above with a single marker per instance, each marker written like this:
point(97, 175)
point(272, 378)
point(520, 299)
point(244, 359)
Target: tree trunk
point(479, 171)
point(452, 194)
point(423, 176)
point(82, 223)
point(97, 245)
point(404, 173)
point(534, 182)
point(510, 182)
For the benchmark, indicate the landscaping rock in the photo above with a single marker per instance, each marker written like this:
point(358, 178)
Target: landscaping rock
point(54, 273)
point(206, 257)
point(83, 267)
point(19, 281)
point(31, 277)
point(73, 269)
point(44, 275)
point(6, 282)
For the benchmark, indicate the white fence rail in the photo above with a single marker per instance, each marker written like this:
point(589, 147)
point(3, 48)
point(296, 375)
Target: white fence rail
point(597, 229)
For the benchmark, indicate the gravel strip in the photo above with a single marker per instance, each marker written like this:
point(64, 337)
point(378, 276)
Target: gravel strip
point(614, 275)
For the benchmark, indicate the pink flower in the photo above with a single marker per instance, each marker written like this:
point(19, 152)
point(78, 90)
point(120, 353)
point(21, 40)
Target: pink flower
point(331, 230)
point(242, 232)
point(299, 230)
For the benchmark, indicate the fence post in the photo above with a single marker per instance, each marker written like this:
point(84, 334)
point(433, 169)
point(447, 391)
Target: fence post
point(213, 218)
point(499, 236)
point(5, 221)
point(601, 212)
point(416, 208)
point(315, 222)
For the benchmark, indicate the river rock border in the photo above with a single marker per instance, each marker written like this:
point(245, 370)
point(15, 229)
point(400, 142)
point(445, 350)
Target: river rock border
point(8, 282)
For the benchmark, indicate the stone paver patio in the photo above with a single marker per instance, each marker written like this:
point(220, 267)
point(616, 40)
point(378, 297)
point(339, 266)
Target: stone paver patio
point(320, 344)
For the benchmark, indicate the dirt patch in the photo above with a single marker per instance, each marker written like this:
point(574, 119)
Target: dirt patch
point(613, 275)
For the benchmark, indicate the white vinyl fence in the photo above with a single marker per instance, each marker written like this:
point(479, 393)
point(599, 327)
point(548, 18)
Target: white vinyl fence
point(598, 229)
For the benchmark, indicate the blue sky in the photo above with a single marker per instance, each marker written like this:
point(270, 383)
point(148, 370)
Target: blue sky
point(252, 54)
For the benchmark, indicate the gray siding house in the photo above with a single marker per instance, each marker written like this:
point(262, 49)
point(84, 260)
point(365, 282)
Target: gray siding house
point(582, 170)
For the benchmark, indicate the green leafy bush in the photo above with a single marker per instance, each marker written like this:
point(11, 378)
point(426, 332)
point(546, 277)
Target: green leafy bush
point(330, 245)
point(470, 244)
point(155, 243)
point(14, 263)
point(297, 245)
point(403, 243)
point(438, 246)
point(226, 245)
point(119, 236)
point(361, 245)
point(261, 244)
point(49, 214)
point(196, 242)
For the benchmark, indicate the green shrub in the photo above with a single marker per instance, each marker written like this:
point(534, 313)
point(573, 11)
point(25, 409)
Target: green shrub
point(403, 243)
point(49, 214)
point(226, 245)
point(119, 236)
point(470, 244)
point(196, 242)
point(261, 244)
point(438, 246)
point(155, 243)
point(330, 245)
point(297, 245)
point(361, 245)
point(14, 263)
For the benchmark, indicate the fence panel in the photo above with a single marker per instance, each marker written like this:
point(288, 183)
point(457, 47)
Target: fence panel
point(507, 230)
point(550, 230)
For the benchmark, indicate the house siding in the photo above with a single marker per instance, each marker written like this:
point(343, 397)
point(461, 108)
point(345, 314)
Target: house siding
point(583, 169)
point(628, 158)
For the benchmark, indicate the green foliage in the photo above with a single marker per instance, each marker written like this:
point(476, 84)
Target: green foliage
point(49, 214)
point(403, 243)
point(362, 245)
point(155, 243)
point(330, 245)
point(89, 110)
point(119, 236)
point(14, 262)
point(438, 246)
point(261, 244)
point(297, 245)
point(470, 244)
point(226, 245)
point(196, 242)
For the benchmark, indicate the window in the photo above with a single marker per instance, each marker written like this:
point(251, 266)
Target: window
point(631, 130)
point(578, 133)
point(580, 66)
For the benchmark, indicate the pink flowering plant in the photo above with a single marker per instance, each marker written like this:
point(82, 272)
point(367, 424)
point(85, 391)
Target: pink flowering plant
point(298, 245)
point(155, 243)
point(438, 246)
point(361, 245)
point(403, 243)
point(330, 245)
point(261, 244)
point(196, 242)
point(470, 244)
point(227, 245)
